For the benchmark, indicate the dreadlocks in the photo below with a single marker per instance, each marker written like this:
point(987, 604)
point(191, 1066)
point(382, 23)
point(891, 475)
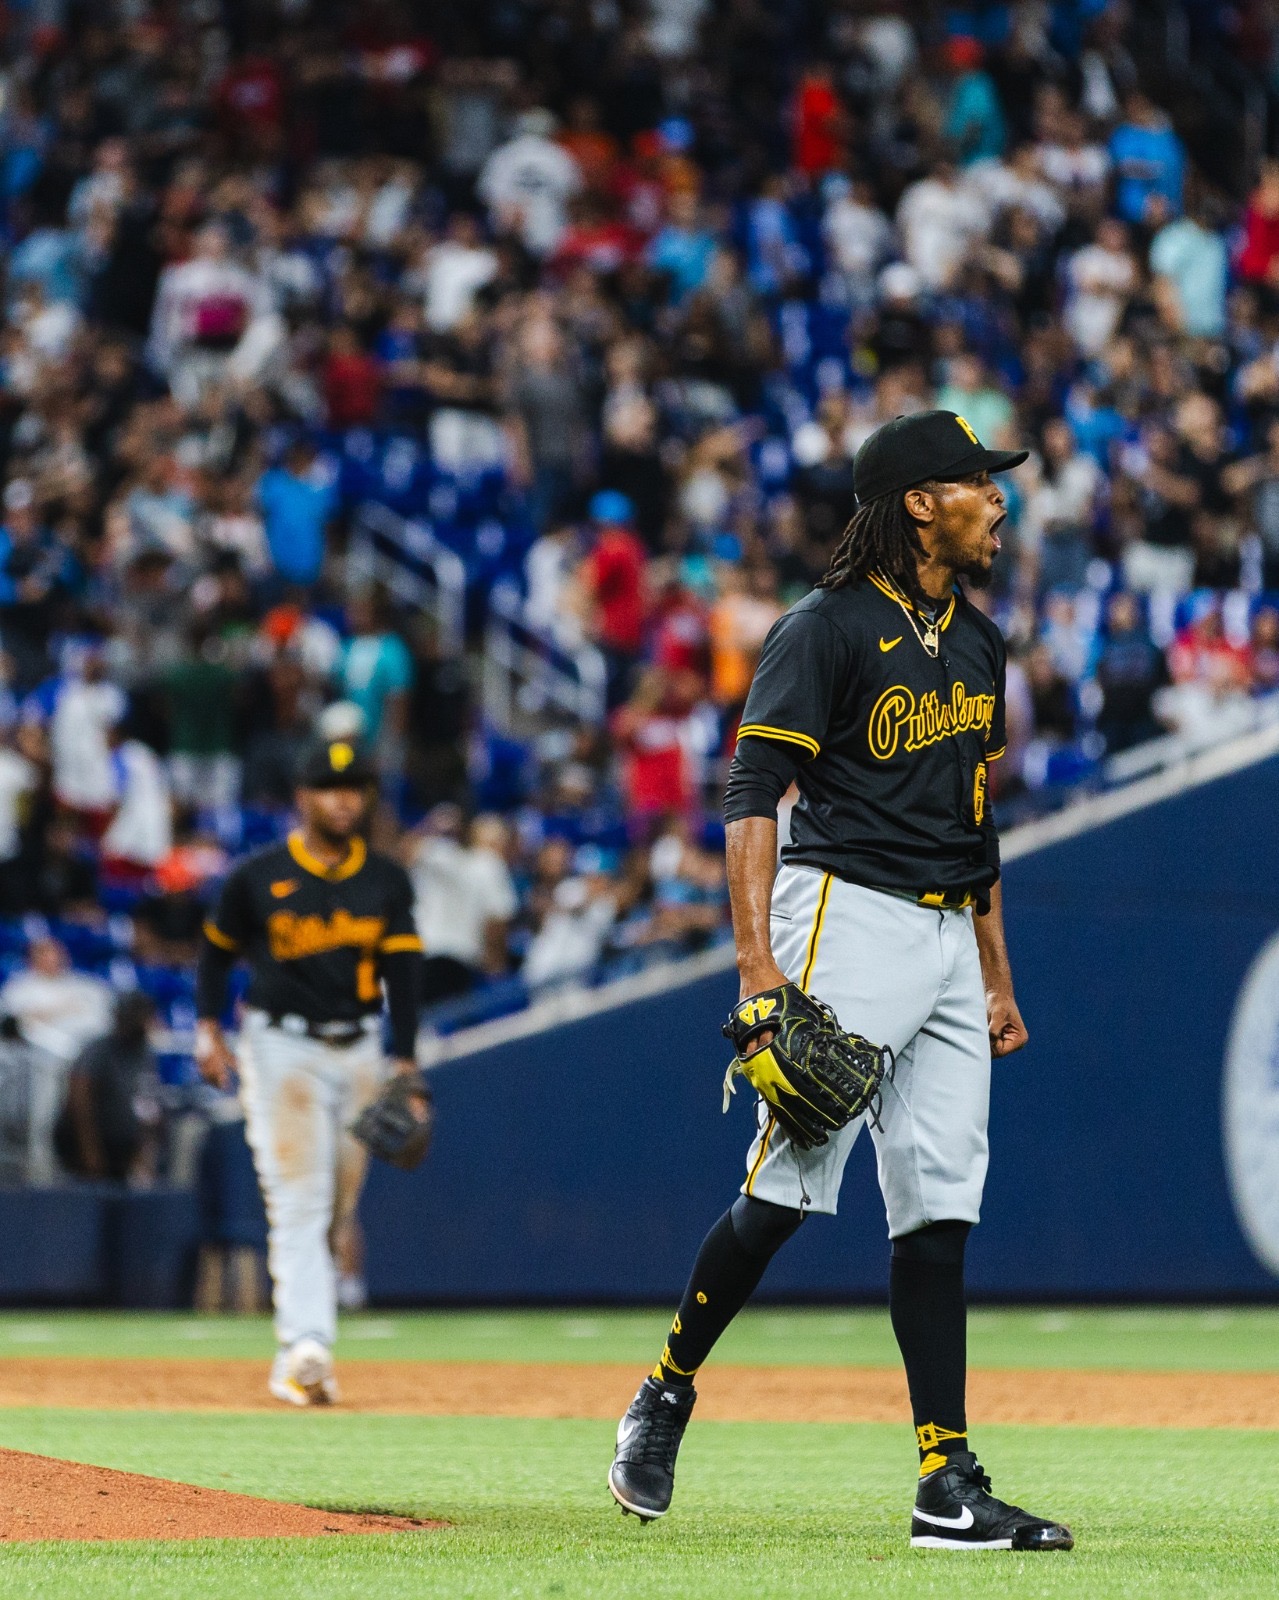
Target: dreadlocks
point(882, 537)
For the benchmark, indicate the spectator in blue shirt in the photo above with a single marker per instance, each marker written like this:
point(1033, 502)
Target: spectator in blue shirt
point(974, 118)
point(54, 258)
point(1189, 257)
point(684, 247)
point(1149, 162)
point(375, 670)
point(297, 500)
point(773, 250)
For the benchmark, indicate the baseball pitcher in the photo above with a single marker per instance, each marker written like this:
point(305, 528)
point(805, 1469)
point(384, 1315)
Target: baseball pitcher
point(325, 925)
point(881, 695)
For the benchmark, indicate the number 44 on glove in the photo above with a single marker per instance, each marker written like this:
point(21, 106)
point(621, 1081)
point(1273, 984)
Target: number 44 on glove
point(397, 1126)
point(816, 1077)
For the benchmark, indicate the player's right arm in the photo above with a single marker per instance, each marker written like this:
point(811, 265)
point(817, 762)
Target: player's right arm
point(751, 847)
point(225, 935)
point(787, 713)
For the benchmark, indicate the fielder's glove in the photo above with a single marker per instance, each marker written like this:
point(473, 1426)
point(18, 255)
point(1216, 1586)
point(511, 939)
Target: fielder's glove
point(397, 1126)
point(816, 1077)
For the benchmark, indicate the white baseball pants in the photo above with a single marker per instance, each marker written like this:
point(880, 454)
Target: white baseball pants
point(299, 1095)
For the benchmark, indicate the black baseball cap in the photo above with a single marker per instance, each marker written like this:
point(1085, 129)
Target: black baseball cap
point(929, 444)
point(336, 764)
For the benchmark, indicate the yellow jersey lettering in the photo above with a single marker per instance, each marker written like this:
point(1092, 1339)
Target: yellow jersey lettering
point(927, 720)
point(291, 937)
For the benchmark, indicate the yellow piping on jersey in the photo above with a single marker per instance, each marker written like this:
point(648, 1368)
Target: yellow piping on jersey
point(215, 935)
point(814, 938)
point(760, 730)
point(994, 755)
point(345, 869)
point(400, 941)
point(894, 593)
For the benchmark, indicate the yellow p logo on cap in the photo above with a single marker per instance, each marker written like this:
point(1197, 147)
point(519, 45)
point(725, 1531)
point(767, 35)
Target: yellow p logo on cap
point(968, 429)
point(340, 757)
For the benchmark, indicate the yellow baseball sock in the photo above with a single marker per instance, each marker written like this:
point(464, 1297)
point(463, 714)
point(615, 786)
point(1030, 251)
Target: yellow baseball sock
point(936, 1444)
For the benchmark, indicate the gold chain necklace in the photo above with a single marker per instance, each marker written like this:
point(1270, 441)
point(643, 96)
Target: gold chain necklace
point(930, 638)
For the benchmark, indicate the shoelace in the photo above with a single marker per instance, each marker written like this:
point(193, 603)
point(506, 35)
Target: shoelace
point(978, 1478)
point(656, 1442)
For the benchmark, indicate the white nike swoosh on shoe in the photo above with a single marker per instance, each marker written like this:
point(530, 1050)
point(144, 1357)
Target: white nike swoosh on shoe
point(625, 1428)
point(965, 1519)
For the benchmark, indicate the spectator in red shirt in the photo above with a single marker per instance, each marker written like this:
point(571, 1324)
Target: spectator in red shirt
point(250, 102)
point(665, 739)
point(680, 636)
point(1259, 257)
point(1202, 654)
point(595, 239)
point(818, 143)
point(613, 579)
point(352, 381)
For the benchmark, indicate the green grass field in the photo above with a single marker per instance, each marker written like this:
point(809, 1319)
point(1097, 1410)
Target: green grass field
point(804, 1510)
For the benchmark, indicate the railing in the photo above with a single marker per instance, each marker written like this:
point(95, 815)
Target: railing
point(1239, 718)
point(416, 567)
point(528, 673)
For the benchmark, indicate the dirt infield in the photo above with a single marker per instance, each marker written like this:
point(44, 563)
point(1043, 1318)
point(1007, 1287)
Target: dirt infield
point(727, 1393)
point(41, 1498)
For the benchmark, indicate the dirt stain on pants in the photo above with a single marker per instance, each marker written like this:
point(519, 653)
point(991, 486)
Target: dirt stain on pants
point(299, 1097)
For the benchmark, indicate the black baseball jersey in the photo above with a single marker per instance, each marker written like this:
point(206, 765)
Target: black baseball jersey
point(315, 937)
point(891, 741)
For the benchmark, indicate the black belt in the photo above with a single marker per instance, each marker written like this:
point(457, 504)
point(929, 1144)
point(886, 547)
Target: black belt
point(338, 1034)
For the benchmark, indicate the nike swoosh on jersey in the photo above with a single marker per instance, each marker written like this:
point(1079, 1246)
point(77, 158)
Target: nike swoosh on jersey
point(965, 1518)
point(284, 887)
point(888, 644)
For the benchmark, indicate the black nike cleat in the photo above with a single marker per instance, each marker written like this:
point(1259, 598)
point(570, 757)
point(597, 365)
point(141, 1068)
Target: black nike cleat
point(955, 1510)
point(642, 1477)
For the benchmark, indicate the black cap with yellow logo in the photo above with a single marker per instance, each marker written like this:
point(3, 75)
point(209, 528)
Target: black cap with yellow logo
point(930, 444)
point(336, 764)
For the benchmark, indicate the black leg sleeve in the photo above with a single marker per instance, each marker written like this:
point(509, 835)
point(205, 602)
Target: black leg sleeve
point(726, 1273)
point(929, 1317)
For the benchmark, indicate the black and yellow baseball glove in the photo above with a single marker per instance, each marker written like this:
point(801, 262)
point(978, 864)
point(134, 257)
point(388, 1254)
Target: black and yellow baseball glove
point(397, 1126)
point(816, 1077)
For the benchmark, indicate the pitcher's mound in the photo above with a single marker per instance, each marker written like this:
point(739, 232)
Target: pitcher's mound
point(41, 1498)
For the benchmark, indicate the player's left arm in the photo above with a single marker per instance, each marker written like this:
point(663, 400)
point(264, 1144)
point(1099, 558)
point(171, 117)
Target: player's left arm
point(1007, 1030)
point(400, 956)
point(226, 934)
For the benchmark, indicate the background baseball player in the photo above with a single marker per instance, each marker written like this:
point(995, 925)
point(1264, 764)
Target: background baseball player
point(881, 694)
point(324, 923)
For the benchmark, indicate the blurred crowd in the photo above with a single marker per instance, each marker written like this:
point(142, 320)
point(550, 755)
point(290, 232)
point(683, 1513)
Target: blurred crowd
point(610, 293)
